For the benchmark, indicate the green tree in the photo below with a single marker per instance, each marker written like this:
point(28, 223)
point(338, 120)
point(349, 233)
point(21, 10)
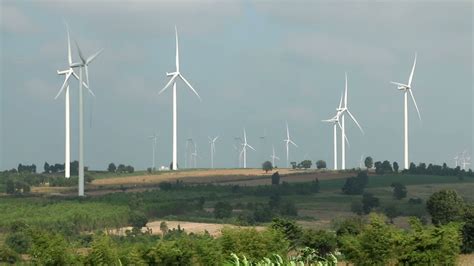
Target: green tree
point(468, 230)
point(104, 251)
point(320, 164)
point(222, 210)
point(50, 249)
point(392, 212)
point(445, 206)
point(112, 168)
point(10, 187)
point(7, 255)
point(46, 167)
point(169, 253)
point(290, 230)
point(369, 162)
point(276, 178)
point(376, 244)
point(293, 165)
point(164, 228)
point(395, 167)
point(369, 202)
point(399, 190)
point(323, 241)
point(267, 166)
point(306, 164)
point(137, 219)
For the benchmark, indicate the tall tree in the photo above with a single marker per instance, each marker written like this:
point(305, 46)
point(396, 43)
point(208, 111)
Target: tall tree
point(369, 162)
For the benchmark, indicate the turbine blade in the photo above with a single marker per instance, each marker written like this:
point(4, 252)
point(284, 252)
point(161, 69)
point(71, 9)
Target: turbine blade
point(294, 144)
point(355, 121)
point(414, 101)
point(399, 84)
point(345, 92)
point(177, 48)
point(340, 102)
point(287, 130)
point(80, 53)
point(92, 57)
point(191, 87)
point(345, 136)
point(278, 158)
point(77, 77)
point(251, 147)
point(412, 71)
point(69, 54)
point(65, 83)
point(87, 74)
point(168, 84)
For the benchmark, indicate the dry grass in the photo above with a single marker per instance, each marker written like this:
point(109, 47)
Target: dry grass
point(228, 176)
point(189, 227)
point(466, 260)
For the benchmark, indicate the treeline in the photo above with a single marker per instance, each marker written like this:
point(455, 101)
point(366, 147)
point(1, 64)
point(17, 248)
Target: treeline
point(361, 241)
point(120, 169)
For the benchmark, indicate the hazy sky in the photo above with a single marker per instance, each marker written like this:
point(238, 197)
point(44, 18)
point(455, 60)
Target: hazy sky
point(255, 64)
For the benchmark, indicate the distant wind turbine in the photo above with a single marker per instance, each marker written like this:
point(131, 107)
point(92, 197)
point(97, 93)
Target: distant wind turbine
point(344, 110)
point(154, 139)
point(407, 89)
point(174, 76)
point(244, 148)
point(288, 141)
point(336, 122)
point(273, 156)
point(212, 141)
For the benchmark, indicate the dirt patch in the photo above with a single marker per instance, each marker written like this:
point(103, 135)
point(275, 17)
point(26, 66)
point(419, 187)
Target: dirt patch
point(188, 227)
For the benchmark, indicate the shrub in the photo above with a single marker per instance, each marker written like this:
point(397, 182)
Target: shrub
point(399, 191)
point(320, 164)
point(222, 210)
point(267, 166)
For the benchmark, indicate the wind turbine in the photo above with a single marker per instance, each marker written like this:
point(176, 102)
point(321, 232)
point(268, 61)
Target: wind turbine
point(65, 87)
point(407, 88)
point(83, 64)
point(344, 110)
point(194, 155)
point(174, 76)
point(212, 141)
point(187, 153)
point(336, 122)
point(288, 141)
point(244, 148)
point(273, 156)
point(154, 139)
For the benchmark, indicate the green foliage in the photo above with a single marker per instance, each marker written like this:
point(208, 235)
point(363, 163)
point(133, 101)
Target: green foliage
point(50, 249)
point(169, 253)
point(323, 242)
point(112, 168)
point(430, 245)
point(320, 164)
point(355, 185)
point(391, 211)
point(222, 210)
point(399, 191)
point(306, 164)
point(7, 255)
point(267, 166)
point(104, 251)
point(290, 230)
point(253, 244)
point(468, 230)
point(445, 206)
point(369, 202)
point(395, 167)
point(376, 244)
point(137, 219)
point(369, 162)
point(275, 178)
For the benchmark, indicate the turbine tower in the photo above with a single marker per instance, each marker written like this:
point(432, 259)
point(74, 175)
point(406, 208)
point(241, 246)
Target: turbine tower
point(154, 139)
point(174, 76)
point(83, 64)
point(212, 141)
point(407, 89)
point(65, 87)
point(244, 148)
point(273, 156)
point(344, 110)
point(336, 122)
point(288, 141)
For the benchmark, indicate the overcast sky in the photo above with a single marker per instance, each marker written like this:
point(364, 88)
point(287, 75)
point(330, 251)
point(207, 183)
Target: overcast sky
point(256, 64)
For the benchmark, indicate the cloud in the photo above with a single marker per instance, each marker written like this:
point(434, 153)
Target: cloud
point(15, 20)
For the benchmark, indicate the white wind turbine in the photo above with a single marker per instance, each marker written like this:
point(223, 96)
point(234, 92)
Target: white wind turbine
point(212, 141)
point(83, 64)
point(174, 76)
point(154, 139)
point(244, 148)
point(288, 141)
point(273, 156)
point(344, 110)
point(336, 122)
point(407, 88)
point(65, 87)
point(194, 155)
